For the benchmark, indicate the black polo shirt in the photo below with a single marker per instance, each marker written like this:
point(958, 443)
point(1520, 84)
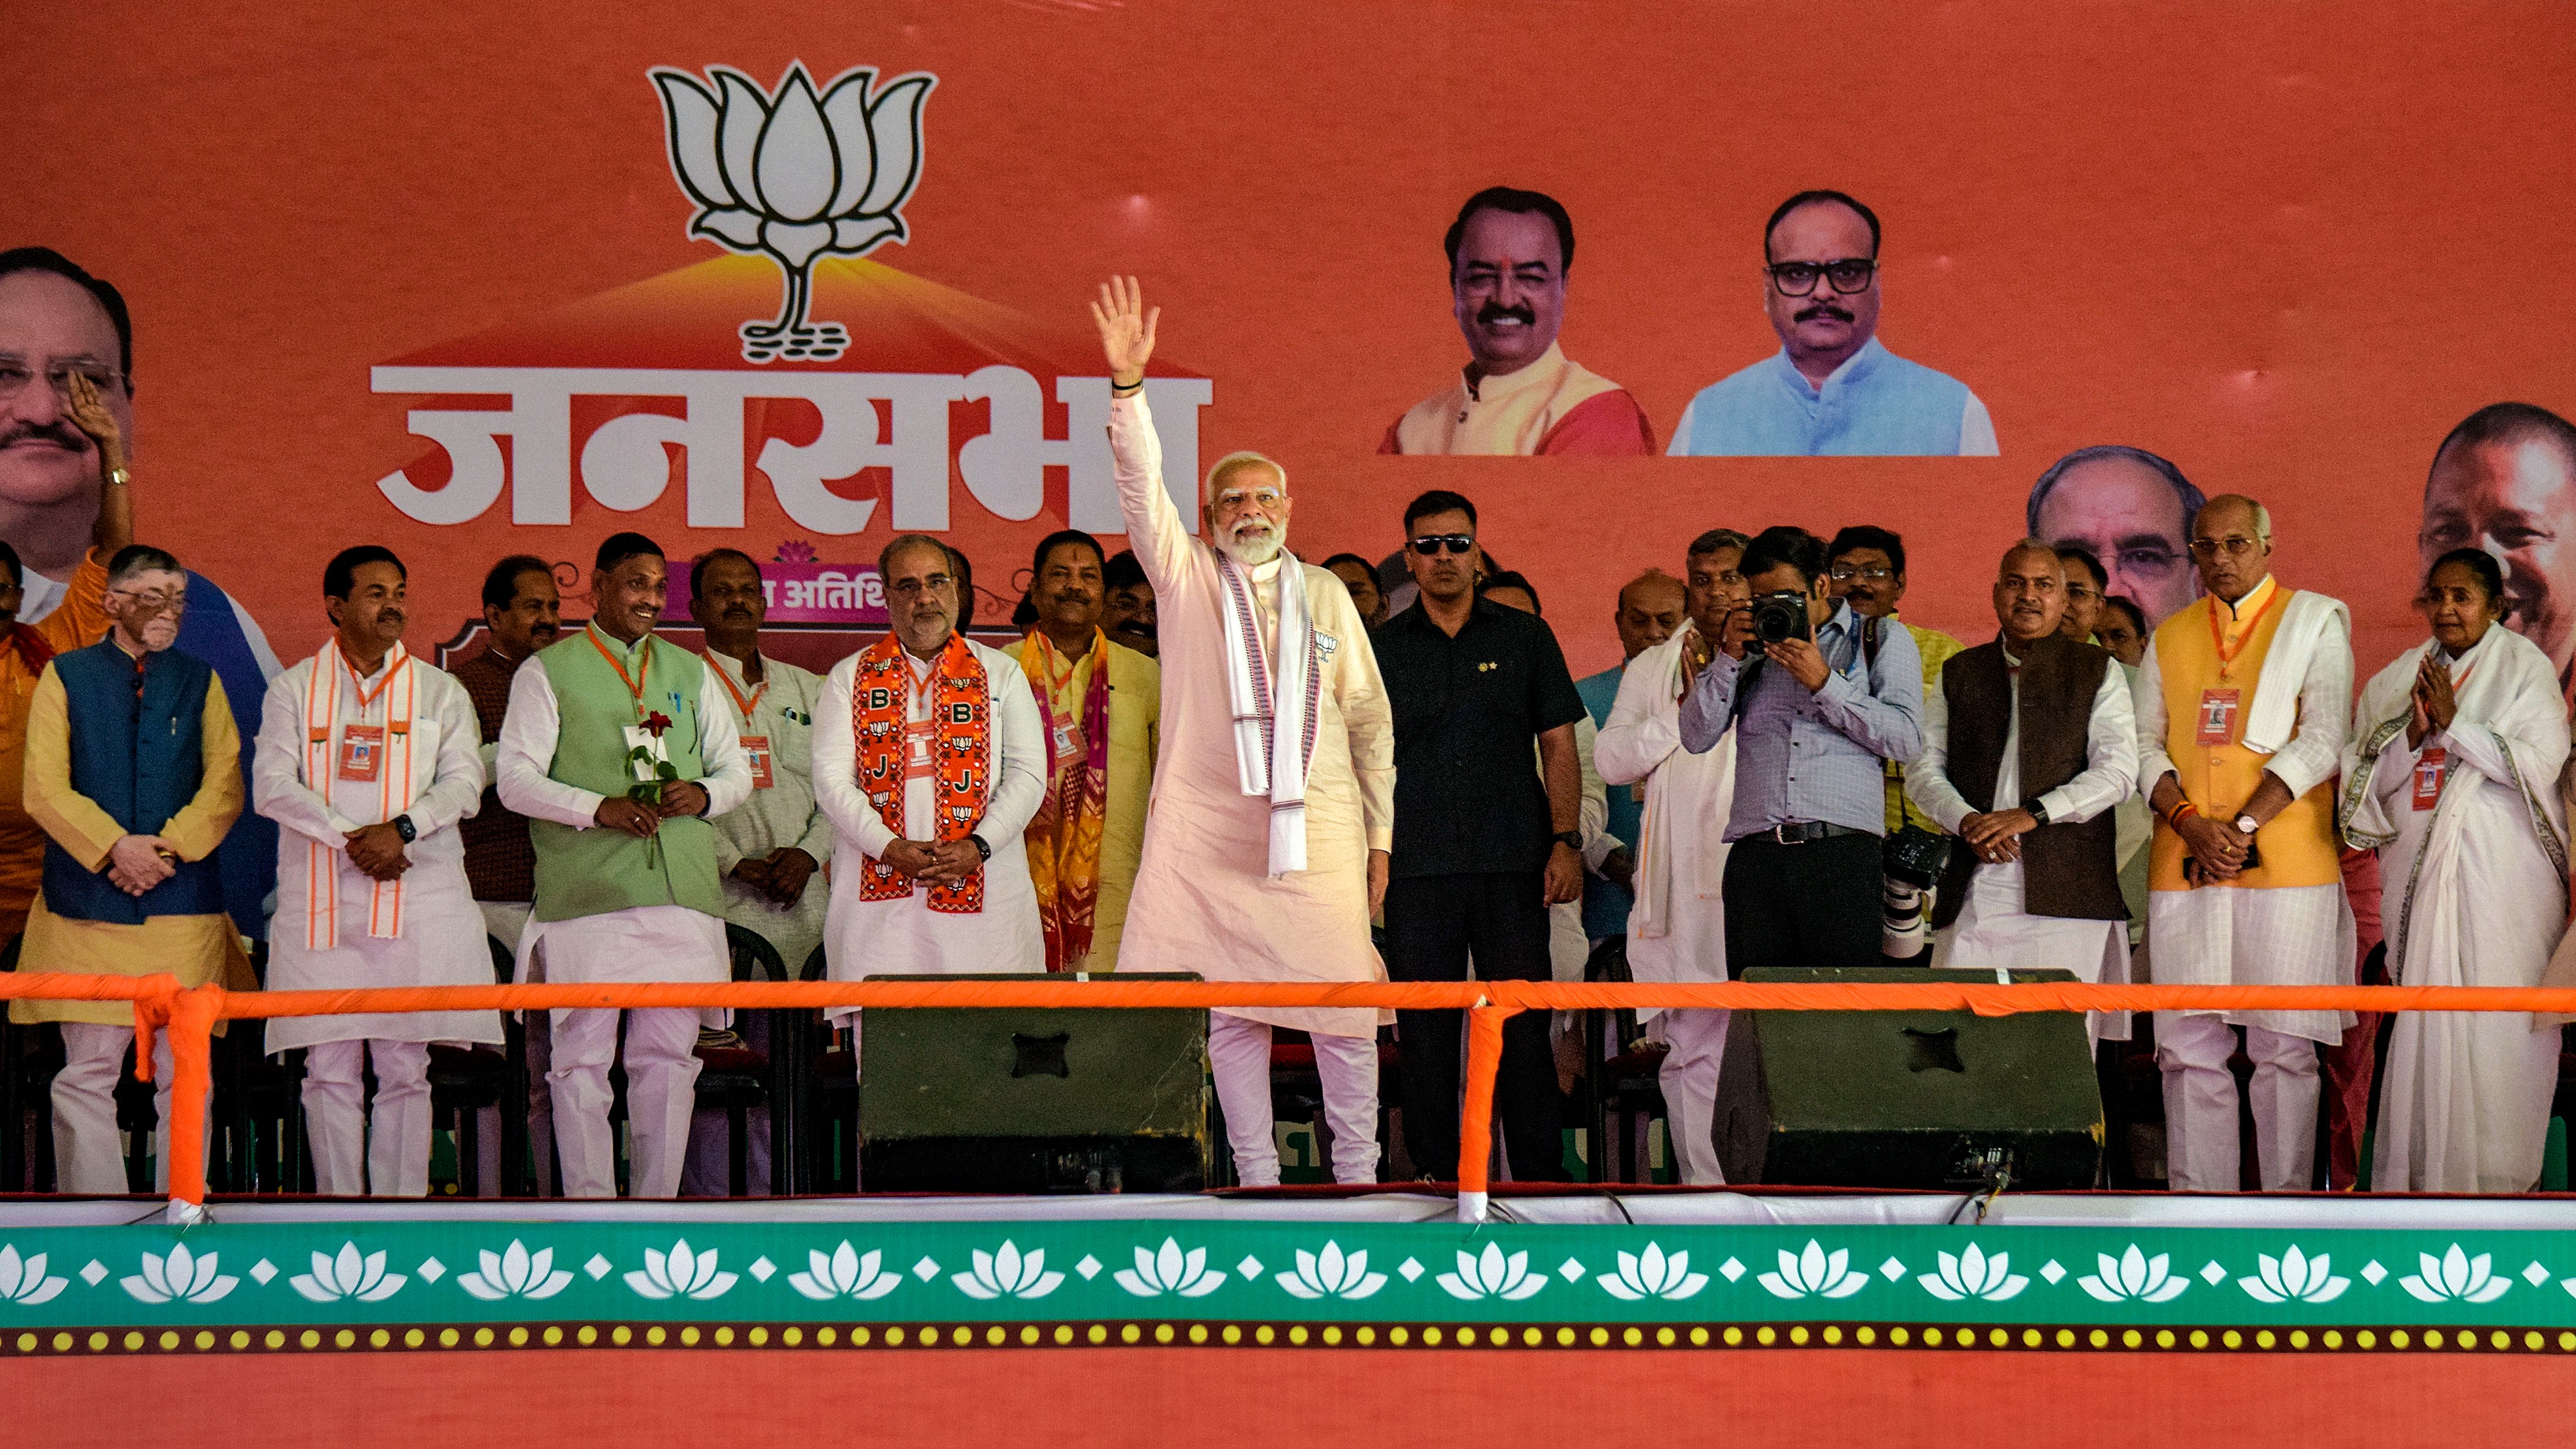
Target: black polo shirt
point(1468, 710)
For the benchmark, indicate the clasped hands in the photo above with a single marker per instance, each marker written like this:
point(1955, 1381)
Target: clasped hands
point(781, 878)
point(934, 860)
point(679, 798)
point(137, 863)
point(1996, 835)
point(2433, 704)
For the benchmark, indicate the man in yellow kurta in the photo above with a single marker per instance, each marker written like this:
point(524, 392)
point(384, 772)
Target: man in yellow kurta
point(1103, 704)
point(2243, 704)
point(133, 771)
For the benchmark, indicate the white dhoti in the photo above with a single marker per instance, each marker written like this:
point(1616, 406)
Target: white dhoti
point(1995, 931)
point(646, 943)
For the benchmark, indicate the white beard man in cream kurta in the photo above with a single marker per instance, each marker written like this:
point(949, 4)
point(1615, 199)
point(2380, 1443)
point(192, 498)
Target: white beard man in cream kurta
point(367, 769)
point(1274, 800)
point(914, 932)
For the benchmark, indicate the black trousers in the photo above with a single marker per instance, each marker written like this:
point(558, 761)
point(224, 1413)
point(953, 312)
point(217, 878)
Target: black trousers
point(1433, 923)
point(1815, 904)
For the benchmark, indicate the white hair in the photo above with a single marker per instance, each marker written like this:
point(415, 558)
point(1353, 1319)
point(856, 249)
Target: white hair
point(1234, 462)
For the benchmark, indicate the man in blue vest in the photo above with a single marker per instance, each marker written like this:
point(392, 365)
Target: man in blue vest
point(133, 770)
point(1833, 388)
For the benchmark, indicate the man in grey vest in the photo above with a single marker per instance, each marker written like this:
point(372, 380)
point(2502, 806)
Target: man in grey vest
point(618, 747)
point(2027, 744)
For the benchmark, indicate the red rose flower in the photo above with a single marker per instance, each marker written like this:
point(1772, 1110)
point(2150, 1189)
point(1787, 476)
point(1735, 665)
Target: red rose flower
point(655, 723)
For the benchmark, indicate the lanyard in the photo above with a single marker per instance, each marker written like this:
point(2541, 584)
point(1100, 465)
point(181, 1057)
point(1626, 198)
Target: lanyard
point(366, 700)
point(726, 679)
point(2218, 640)
point(634, 683)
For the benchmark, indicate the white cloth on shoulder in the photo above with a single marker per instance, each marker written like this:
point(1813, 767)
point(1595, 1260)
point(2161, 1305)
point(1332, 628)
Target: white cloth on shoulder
point(1275, 708)
point(2274, 716)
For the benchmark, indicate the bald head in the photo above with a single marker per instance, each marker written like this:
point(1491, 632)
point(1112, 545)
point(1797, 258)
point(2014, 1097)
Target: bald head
point(2030, 592)
point(1651, 607)
point(2231, 542)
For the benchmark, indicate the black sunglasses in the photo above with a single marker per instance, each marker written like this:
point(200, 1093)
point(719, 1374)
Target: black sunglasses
point(1430, 544)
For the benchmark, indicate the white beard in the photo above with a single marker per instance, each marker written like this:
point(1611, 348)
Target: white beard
point(1255, 550)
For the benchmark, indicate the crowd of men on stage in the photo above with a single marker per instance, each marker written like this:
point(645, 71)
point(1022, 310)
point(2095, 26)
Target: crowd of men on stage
point(1289, 756)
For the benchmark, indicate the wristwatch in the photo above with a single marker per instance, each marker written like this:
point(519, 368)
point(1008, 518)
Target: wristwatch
point(1571, 840)
point(2247, 825)
point(981, 849)
point(2038, 811)
point(403, 827)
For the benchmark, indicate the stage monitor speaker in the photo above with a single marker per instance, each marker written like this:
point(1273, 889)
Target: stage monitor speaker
point(1025, 1100)
point(1907, 1099)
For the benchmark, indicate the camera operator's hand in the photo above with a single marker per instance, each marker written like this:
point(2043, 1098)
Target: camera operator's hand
point(1800, 658)
point(1740, 633)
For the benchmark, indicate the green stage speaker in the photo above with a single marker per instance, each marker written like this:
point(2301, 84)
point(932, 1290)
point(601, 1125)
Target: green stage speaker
point(1005, 1099)
point(1907, 1099)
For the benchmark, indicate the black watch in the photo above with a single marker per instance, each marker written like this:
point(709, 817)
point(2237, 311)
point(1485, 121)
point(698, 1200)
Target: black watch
point(403, 827)
point(981, 849)
point(2038, 811)
point(1571, 840)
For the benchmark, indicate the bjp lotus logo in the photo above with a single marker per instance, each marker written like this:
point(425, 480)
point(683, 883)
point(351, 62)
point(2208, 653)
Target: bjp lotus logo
point(794, 176)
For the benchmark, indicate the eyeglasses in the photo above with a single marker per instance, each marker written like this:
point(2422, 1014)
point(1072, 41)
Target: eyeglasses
point(2235, 546)
point(17, 376)
point(1845, 573)
point(1431, 544)
point(1797, 279)
point(148, 602)
point(909, 588)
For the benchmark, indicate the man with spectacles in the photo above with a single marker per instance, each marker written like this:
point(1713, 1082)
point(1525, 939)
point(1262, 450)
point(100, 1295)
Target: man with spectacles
point(1833, 388)
point(2242, 705)
point(1509, 255)
point(2132, 511)
point(1484, 845)
point(1867, 569)
point(63, 491)
point(1274, 792)
point(134, 772)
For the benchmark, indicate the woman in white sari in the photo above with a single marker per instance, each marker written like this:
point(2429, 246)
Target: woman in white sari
point(2451, 775)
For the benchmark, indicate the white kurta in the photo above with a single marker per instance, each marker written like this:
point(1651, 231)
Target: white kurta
point(904, 935)
point(1205, 900)
point(641, 943)
point(2475, 861)
point(1568, 949)
point(1677, 929)
point(782, 814)
point(442, 940)
point(2221, 935)
point(1995, 929)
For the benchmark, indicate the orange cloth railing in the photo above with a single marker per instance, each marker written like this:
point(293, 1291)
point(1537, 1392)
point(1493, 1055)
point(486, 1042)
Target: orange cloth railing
point(190, 1014)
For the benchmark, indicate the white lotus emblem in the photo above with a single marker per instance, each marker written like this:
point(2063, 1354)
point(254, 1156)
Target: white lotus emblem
point(2455, 1276)
point(1170, 1270)
point(2294, 1276)
point(1491, 1275)
point(2134, 1275)
point(1332, 1274)
point(23, 1280)
point(1653, 1275)
point(348, 1276)
point(182, 1275)
point(1814, 1273)
point(1974, 1275)
point(680, 1273)
point(516, 1273)
point(845, 1274)
point(793, 176)
point(1005, 1273)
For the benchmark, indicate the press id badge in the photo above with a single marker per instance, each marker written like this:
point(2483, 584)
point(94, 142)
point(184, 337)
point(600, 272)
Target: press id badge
point(2218, 716)
point(757, 746)
point(656, 752)
point(2428, 777)
point(362, 752)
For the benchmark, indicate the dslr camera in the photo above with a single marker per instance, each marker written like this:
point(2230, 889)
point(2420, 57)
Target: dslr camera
point(1780, 617)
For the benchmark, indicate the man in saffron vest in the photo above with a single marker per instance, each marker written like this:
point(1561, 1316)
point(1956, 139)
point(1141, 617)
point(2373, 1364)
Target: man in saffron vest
point(929, 761)
point(618, 748)
point(1103, 703)
point(1266, 852)
point(367, 759)
point(2027, 744)
point(133, 771)
point(2242, 705)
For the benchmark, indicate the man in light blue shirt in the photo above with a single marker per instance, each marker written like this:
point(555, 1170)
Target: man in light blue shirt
point(1833, 388)
point(1816, 719)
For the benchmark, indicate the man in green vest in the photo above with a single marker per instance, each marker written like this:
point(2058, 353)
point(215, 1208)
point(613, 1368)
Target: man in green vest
point(619, 747)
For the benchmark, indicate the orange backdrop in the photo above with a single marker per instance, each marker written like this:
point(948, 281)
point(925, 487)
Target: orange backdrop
point(2286, 245)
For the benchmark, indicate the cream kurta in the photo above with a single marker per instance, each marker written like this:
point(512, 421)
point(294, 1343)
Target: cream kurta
point(781, 815)
point(1677, 929)
point(442, 940)
point(1204, 901)
point(903, 934)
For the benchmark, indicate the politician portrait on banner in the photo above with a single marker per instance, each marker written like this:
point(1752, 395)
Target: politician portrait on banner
point(2504, 483)
point(1833, 389)
point(2131, 511)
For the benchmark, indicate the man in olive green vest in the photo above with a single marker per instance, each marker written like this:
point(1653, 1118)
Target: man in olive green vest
point(618, 748)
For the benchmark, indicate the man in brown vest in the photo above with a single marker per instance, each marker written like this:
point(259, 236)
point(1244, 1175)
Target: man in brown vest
point(2028, 743)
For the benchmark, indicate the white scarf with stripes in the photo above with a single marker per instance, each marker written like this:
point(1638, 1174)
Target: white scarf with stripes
point(1275, 700)
point(397, 786)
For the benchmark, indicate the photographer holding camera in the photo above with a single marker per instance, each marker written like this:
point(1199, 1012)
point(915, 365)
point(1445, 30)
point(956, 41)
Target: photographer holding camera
point(1818, 709)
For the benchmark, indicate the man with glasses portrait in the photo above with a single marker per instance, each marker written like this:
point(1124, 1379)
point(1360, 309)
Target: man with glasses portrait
point(2132, 512)
point(1833, 389)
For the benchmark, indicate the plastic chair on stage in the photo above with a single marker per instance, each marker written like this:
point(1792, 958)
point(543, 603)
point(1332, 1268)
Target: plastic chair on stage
point(826, 1087)
point(735, 1080)
point(1621, 1086)
point(467, 1081)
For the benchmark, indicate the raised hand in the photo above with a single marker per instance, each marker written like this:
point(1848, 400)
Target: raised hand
point(88, 412)
point(1126, 329)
